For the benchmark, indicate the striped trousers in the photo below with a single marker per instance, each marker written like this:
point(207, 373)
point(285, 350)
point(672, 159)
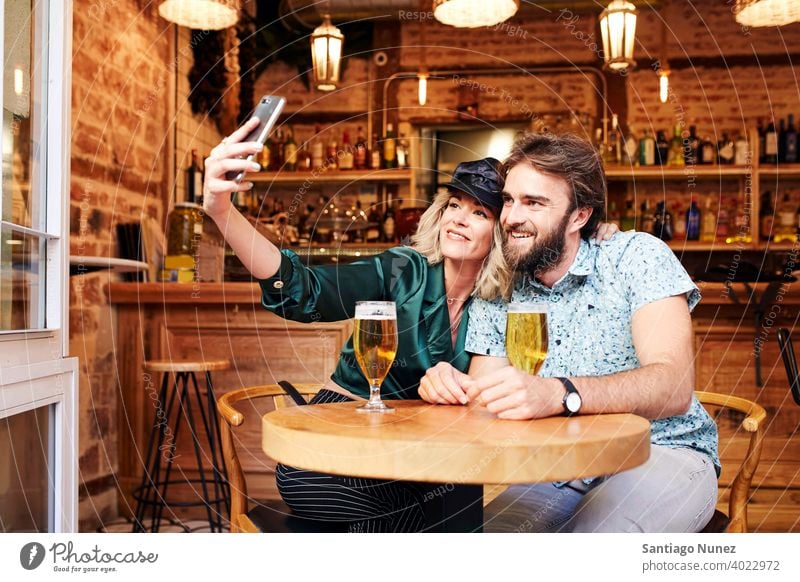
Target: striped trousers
point(367, 505)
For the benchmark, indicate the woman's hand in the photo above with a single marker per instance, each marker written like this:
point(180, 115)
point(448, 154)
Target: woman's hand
point(228, 156)
point(605, 230)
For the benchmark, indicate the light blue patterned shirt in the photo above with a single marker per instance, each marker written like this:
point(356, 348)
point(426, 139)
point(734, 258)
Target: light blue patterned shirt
point(590, 322)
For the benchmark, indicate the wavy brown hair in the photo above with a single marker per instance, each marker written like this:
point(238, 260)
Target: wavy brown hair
point(494, 280)
point(572, 158)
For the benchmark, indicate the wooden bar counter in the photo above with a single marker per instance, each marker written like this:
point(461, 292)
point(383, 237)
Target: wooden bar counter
point(225, 320)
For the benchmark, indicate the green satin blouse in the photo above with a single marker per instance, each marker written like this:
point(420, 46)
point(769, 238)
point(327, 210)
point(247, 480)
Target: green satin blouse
point(401, 274)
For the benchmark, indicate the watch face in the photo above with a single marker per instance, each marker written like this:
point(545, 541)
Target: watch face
point(573, 402)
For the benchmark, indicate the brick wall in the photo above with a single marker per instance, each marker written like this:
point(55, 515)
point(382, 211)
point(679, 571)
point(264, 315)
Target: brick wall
point(123, 61)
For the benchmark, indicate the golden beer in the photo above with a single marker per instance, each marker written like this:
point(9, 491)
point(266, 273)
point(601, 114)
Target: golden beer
point(526, 336)
point(375, 345)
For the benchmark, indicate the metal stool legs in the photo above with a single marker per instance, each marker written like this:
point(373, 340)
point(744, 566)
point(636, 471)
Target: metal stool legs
point(153, 490)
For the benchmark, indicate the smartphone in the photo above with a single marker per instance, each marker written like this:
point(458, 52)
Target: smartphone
point(267, 111)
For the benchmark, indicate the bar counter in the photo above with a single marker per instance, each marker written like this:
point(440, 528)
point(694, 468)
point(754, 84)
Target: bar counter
point(225, 320)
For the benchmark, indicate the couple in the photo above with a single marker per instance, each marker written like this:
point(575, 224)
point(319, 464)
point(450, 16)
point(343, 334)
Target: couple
point(451, 288)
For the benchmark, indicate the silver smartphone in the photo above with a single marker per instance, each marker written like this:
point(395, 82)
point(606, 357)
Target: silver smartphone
point(267, 111)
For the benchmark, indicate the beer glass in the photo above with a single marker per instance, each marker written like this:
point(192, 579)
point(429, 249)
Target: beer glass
point(526, 335)
point(375, 344)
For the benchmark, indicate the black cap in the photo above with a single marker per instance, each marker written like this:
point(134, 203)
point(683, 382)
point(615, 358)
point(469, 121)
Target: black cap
point(481, 180)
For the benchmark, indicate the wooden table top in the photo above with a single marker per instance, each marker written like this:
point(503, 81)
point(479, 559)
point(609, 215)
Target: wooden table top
point(459, 444)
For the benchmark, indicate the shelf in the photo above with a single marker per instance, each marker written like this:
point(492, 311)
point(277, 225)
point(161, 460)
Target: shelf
point(780, 170)
point(662, 172)
point(721, 246)
point(330, 177)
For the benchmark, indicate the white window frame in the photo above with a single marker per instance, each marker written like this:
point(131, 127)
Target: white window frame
point(34, 368)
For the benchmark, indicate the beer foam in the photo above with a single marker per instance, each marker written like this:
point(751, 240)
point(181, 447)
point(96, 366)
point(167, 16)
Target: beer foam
point(533, 307)
point(376, 310)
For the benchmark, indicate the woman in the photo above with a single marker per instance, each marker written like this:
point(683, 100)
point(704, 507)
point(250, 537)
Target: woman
point(456, 254)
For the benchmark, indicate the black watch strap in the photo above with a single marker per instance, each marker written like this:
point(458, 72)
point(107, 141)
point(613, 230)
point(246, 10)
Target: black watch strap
point(570, 389)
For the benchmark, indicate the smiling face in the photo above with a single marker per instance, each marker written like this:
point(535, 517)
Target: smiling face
point(539, 219)
point(465, 229)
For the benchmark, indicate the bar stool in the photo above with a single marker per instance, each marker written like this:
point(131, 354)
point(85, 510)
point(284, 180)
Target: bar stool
point(154, 488)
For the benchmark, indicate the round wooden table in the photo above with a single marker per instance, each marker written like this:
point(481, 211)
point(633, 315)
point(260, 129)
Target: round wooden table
point(452, 444)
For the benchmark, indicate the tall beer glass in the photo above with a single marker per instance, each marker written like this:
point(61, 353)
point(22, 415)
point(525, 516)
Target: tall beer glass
point(375, 344)
point(526, 335)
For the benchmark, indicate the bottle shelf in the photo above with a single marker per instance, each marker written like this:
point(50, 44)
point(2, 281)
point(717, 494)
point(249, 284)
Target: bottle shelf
point(780, 170)
point(322, 177)
point(662, 172)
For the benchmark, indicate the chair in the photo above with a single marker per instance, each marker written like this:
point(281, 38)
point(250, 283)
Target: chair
point(174, 404)
point(736, 520)
point(789, 362)
point(264, 516)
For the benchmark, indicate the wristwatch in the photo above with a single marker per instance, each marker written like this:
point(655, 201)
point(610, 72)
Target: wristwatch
point(572, 401)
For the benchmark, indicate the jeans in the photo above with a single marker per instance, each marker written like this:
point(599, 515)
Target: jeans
point(674, 491)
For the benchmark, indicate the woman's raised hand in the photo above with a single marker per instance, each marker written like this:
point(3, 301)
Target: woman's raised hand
point(605, 230)
point(228, 156)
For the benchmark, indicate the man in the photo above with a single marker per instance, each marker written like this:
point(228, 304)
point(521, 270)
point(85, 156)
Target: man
point(620, 340)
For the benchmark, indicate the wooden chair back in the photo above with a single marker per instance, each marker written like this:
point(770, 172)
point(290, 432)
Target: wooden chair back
point(740, 488)
point(230, 416)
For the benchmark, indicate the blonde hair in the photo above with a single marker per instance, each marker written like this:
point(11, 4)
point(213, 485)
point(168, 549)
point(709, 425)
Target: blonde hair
point(494, 279)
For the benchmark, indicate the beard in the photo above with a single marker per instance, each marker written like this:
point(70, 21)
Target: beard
point(545, 253)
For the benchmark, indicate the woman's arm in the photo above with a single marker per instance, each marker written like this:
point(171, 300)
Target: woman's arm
point(258, 255)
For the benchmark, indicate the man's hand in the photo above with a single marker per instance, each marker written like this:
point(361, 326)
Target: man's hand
point(442, 384)
point(515, 395)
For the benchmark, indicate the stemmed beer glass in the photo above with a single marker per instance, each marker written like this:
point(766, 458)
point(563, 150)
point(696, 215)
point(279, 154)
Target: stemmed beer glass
point(526, 335)
point(375, 344)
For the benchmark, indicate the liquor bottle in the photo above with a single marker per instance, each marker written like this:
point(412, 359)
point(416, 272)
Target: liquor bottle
point(360, 161)
point(766, 216)
point(600, 146)
point(194, 180)
point(693, 221)
point(679, 221)
point(376, 153)
point(614, 215)
point(389, 148)
point(692, 151)
point(723, 219)
point(264, 157)
point(662, 148)
point(762, 136)
point(332, 154)
point(785, 229)
point(617, 143)
point(647, 150)
point(725, 150)
point(646, 218)
point(373, 233)
point(782, 141)
point(676, 147)
point(631, 151)
point(741, 224)
point(403, 152)
point(388, 230)
point(662, 222)
point(708, 223)
point(628, 221)
point(277, 158)
point(303, 159)
point(317, 151)
point(741, 156)
point(708, 152)
point(770, 145)
point(347, 159)
point(790, 155)
point(357, 232)
point(290, 152)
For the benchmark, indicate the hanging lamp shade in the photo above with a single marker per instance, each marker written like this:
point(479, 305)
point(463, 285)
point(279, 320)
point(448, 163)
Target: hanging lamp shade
point(618, 30)
point(201, 14)
point(326, 54)
point(766, 12)
point(474, 13)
